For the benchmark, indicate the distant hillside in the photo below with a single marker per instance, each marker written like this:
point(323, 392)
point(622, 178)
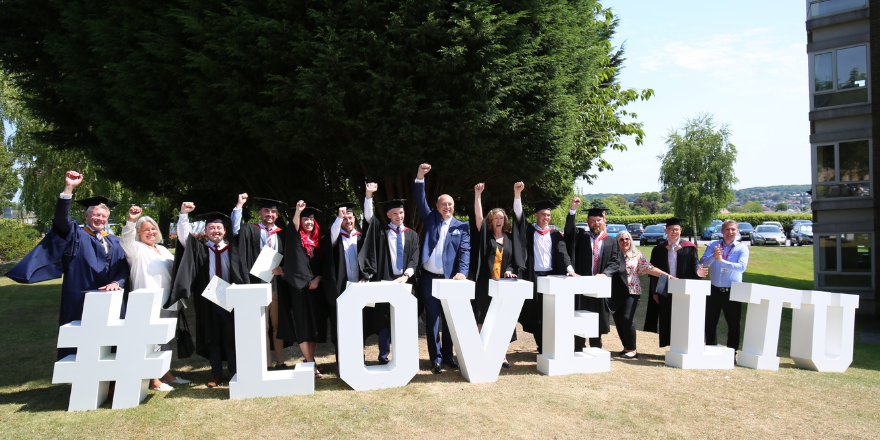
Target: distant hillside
point(744, 193)
point(628, 197)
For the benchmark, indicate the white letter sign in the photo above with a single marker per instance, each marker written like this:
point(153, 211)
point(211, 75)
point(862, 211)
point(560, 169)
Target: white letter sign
point(822, 331)
point(762, 322)
point(404, 362)
point(562, 323)
point(91, 369)
point(480, 352)
point(252, 379)
point(687, 348)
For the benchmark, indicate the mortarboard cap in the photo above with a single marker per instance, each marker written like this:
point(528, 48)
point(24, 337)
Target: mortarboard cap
point(97, 200)
point(394, 203)
point(596, 212)
point(309, 212)
point(215, 217)
point(673, 221)
point(349, 207)
point(270, 203)
point(542, 205)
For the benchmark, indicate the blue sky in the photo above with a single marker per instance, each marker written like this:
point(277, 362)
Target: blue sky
point(745, 62)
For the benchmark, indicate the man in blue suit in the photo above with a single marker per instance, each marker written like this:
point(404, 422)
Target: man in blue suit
point(446, 253)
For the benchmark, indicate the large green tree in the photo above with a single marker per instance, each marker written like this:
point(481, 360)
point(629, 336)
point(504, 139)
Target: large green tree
point(697, 170)
point(308, 100)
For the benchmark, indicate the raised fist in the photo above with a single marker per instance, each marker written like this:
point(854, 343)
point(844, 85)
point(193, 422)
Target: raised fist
point(518, 187)
point(300, 205)
point(134, 213)
point(424, 169)
point(478, 188)
point(242, 198)
point(72, 179)
point(575, 203)
point(371, 188)
point(187, 207)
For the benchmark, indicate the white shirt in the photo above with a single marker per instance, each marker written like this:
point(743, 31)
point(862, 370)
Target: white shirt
point(543, 244)
point(183, 233)
point(149, 269)
point(350, 249)
point(392, 248)
point(434, 263)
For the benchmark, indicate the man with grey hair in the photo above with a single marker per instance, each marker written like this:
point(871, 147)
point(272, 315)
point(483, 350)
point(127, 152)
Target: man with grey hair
point(87, 256)
point(727, 259)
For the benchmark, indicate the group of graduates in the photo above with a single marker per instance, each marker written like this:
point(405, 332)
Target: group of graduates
point(316, 268)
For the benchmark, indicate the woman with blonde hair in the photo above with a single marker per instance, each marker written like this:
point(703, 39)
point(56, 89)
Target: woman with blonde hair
point(150, 265)
point(623, 308)
point(492, 248)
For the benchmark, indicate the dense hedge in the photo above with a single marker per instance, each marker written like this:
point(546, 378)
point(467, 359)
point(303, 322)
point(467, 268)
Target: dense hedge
point(16, 239)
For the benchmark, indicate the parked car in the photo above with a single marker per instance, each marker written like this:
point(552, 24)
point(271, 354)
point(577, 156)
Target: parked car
point(802, 234)
point(635, 230)
point(708, 230)
point(612, 230)
point(777, 224)
point(653, 234)
point(794, 224)
point(718, 234)
point(581, 225)
point(746, 230)
point(768, 234)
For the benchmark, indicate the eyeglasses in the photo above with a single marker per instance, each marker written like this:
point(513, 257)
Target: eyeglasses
point(623, 240)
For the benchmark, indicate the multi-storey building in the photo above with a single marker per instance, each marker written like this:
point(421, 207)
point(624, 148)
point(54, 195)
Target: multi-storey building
point(841, 43)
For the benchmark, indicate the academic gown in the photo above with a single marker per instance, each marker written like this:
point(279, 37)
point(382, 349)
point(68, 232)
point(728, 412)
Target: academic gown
point(191, 277)
point(308, 306)
point(248, 242)
point(580, 248)
point(375, 261)
point(334, 276)
point(531, 316)
point(483, 247)
point(686, 268)
point(82, 260)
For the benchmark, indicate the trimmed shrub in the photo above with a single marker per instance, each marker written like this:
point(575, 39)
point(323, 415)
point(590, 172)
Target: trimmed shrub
point(16, 239)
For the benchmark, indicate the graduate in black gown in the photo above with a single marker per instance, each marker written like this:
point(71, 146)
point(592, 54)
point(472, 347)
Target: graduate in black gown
point(492, 251)
point(196, 264)
point(341, 248)
point(250, 240)
point(687, 266)
point(382, 259)
point(538, 251)
point(303, 268)
point(87, 256)
point(608, 262)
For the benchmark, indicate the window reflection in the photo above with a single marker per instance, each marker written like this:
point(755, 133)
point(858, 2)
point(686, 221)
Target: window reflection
point(854, 160)
point(855, 253)
point(825, 163)
point(862, 189)
point(852, 67)
point(828, 253)
point(824, 74)
point(832, 6)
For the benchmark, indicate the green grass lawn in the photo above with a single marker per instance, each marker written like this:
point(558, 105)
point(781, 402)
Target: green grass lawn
point(637, 399)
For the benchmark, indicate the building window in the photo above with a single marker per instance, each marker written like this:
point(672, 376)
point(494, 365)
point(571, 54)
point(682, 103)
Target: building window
point(844, 260)
point(843, 169)
point(825, 7)
point(840, 77)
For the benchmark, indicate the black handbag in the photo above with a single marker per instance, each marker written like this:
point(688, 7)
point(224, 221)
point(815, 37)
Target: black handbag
point(185, 346)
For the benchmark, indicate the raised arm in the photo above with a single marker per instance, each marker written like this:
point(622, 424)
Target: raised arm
point(336, 226)
point(478, 205)
point(127, 237)
point(570, 231)
point(183, 222)
point(62, 222)
point(371, 188)
point(517, 201)
point(419, 191)
point(236, 213)
point(300, 205)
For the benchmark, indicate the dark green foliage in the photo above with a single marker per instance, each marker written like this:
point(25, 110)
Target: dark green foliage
point(307, 100)
point(16, 239)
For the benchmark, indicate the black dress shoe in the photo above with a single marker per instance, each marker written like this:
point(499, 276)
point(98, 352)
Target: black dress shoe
point(451, 363)
point(505, 364)
point(383, 362)
point(436, 369)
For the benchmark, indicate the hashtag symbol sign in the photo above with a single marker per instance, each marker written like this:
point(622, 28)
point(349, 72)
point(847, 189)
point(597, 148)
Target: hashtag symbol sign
point(135, 362)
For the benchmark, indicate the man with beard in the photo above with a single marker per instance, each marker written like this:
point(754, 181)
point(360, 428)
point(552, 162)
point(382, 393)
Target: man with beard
point(540, 251)
point(251, 240)
point(594, 253)
point(198, 263)
point(341, 248)
point(678, 258)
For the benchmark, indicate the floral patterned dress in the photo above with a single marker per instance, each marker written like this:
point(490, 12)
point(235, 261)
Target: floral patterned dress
point(635, 266)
